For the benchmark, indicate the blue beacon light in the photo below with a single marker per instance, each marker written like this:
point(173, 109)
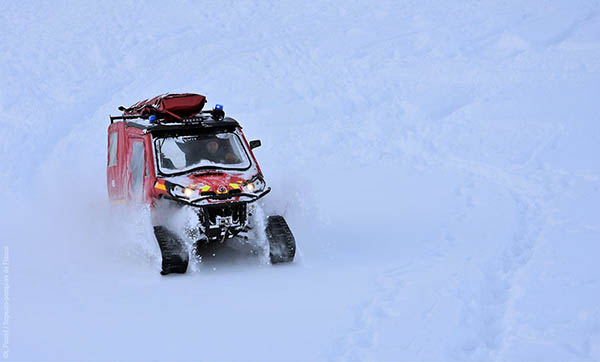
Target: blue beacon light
point(219, 106)
point(152, 118)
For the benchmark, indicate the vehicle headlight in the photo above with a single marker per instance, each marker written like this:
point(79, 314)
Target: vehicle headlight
point(183, 192)
point(256, 185)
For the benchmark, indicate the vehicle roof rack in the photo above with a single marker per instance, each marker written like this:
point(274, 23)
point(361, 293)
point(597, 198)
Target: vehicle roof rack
point(191, 125)
point(216, 114)
point(202, 121)
point(113, 118)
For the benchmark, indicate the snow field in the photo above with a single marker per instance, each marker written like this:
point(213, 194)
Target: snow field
point(437, 162)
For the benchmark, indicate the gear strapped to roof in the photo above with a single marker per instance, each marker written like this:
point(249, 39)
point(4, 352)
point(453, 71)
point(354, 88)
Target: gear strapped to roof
point(170, 114)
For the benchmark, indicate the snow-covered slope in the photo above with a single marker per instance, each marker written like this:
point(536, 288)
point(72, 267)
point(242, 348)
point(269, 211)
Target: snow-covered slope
point(438, 162)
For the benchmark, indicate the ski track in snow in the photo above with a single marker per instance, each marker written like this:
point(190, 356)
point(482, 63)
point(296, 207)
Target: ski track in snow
point(481, 313)
point(484, 310)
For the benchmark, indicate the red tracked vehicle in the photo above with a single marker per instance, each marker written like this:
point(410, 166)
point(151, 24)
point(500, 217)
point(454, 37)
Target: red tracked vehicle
point(168, 152)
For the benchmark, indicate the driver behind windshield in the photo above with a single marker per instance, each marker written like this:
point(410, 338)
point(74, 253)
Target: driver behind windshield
point(217, 153)
point(212, 150)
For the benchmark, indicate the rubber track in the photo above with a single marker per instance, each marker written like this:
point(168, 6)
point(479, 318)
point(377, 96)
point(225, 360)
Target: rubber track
point(280, 238)
point(174, 255)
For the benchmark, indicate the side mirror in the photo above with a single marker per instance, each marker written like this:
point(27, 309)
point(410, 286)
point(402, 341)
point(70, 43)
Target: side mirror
point(254, 144)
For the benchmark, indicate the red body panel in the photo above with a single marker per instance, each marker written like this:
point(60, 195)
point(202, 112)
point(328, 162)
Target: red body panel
point(120, 175)
point(115, 171)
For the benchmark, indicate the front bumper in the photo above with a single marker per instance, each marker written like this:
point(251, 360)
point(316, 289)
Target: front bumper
point(243, 197)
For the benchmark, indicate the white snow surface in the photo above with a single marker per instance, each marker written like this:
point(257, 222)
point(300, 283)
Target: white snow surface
point(438, 162)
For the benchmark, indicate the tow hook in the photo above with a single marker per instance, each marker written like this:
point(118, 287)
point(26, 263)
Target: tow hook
point(226, 222)
point(225, 234)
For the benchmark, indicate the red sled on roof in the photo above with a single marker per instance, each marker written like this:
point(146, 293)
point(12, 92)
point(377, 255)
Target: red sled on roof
point(172, 107)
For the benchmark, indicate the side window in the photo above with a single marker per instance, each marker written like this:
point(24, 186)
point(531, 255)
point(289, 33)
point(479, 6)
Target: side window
point(112, 149)
point(137, 167)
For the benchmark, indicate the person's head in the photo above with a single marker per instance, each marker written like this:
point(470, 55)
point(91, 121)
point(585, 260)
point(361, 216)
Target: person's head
point(212, 147)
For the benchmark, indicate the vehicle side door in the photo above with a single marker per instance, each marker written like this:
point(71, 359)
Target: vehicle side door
point(116, 163)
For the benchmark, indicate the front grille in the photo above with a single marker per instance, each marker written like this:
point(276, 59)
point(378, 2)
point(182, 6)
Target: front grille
point(222, 220)
point(237, 212)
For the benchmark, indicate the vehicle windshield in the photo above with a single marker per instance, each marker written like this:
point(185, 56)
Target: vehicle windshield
point(185, 153)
